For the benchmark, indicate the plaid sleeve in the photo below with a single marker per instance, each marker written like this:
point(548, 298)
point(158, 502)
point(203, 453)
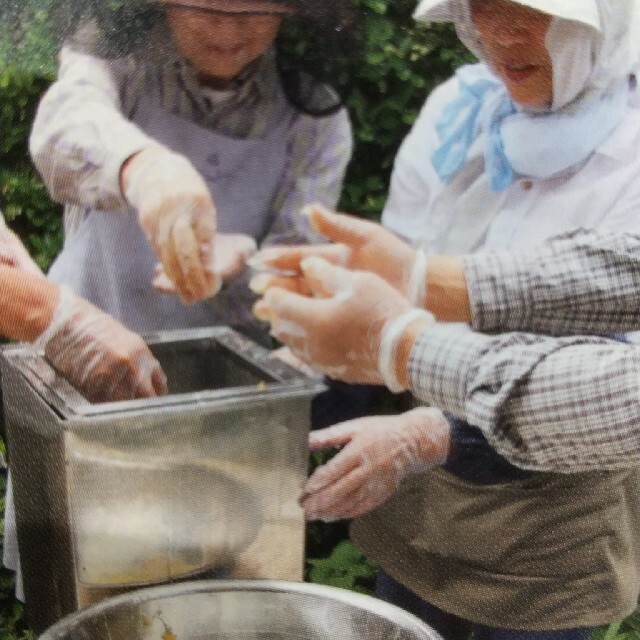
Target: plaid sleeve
point(584, 282)
point(547, 404)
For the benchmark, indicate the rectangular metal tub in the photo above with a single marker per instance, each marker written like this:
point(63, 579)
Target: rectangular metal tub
point(119, 495)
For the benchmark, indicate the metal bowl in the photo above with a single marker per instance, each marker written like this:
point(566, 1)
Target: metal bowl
point(241, 610)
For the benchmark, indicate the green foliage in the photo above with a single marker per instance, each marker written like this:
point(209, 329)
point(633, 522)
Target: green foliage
point(385, 77)
point(23, 197)
point(628, 629)
point(345, 567)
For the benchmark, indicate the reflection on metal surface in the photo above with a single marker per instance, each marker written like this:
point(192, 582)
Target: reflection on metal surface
point(242, 610)
point(117, 495)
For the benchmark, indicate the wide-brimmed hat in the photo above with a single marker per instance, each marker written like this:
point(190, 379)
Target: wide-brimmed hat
point(237, 6)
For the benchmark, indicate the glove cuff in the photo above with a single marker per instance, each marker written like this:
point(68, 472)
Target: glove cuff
point(416, 289)
point(61, 315)
point(391, 335)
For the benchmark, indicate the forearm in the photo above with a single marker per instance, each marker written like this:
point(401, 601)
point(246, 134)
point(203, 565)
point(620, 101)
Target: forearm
point(80, 139)
point(27, 304)
point(447, 294)
point(547, 404)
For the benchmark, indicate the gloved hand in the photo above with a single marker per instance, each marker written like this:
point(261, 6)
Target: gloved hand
point(178, 216)
point(340, 329)
point(379, 453)
point(13, 252)
point(231, 251)
point(101, 358)
point(358, 244)
point(284, 354)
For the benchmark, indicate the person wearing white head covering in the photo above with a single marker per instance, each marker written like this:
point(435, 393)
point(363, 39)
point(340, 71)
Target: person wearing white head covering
point(507, 153)
point(542, 137)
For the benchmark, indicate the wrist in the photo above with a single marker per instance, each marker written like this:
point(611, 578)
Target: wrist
point(62, 312)
point(406, 343)
point(133, 165)
point(393, 346)
point(416, 290)
point(436, 435)
point(446, 289)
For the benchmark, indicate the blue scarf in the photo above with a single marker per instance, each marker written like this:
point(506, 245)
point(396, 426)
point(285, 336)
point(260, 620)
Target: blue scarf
point(519, 143)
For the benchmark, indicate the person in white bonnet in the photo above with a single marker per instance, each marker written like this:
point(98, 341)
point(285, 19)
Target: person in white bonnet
point(541, 137)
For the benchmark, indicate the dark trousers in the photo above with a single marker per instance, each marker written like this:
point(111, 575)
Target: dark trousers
point(451, 627)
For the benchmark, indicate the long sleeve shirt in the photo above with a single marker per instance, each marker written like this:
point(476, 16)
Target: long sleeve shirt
point(545, 403)
point(82, 133)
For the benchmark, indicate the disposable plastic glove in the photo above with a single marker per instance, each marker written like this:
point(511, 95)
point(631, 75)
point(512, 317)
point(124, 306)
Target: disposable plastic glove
point(339, 330)
point(357, 244)
point(178, 216)
point(97, 355)
point(13, 252)
point(379, 453)
point(231, 252)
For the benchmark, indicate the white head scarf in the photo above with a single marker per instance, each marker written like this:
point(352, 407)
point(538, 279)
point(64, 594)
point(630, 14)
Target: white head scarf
point(593, 44)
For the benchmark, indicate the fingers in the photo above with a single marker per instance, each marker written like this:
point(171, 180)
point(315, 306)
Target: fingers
point(263, 281)
point(162, 283)
point(289, 258)
point(337, 435)
point(324, 279)
point(188, 258)
point(231, 253)
point(352, 495)
point(159, 381)
point(279, 305)
point(338, 227)
point(330, 503)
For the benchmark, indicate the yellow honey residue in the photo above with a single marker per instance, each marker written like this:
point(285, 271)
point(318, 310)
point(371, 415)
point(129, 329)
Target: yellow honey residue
point(168, 634)
point(152, 569)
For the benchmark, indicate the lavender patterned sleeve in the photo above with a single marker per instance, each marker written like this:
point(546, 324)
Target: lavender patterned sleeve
point(544, 403)
point(584, 282)
point(319, 152)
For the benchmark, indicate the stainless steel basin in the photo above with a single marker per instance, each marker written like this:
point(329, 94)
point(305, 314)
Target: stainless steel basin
point(241, 610)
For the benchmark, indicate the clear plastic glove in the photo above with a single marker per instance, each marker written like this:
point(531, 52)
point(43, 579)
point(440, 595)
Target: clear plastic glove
point(357, 244)
point(231, 252)
point(379, 453)
point(13, 252)
point(178, 216)
point(284, 354)
point(339, 329)
point(101, 358)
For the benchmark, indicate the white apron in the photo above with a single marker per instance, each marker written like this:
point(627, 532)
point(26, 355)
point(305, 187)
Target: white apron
point(109, 260)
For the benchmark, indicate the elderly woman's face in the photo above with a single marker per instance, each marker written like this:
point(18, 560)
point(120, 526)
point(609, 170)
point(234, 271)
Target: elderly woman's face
point(218, 39)
point(513, 37)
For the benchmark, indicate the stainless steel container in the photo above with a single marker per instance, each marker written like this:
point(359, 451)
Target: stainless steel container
point(115, 496)
point(242, 610)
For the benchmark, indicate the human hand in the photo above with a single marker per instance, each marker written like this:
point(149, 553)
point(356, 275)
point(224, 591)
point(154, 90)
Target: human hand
point(13, 252)
point(379, 453)
point(284, 355)
point(178, 216)
point(357, 244)
point(339, 329)
point(99, 356)
point(230, 259)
